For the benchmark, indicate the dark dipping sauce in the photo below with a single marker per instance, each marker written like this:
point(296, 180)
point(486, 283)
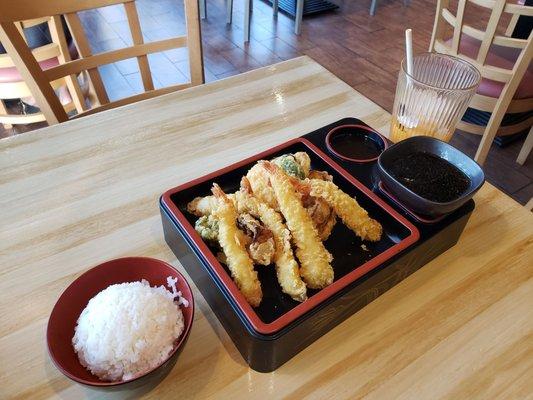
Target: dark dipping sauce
point(356, 146)
point(430, 177)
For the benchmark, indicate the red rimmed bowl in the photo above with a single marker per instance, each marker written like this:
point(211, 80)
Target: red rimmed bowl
point(74, 299)
point(355, 143)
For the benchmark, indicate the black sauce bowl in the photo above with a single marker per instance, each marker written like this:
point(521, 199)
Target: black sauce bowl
point(437, 148)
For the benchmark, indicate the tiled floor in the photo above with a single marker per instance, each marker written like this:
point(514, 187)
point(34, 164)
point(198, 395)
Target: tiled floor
point(364, 51)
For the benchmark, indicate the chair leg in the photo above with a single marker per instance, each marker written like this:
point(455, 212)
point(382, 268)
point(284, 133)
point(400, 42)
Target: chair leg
point(202, 6)
point(3, 111)
point(486, 142)
point(493, 125)
point(275, 7)
point(229, 11)
point(299, 16)
point(373, 6)
point(526, 148)
point(247, 20)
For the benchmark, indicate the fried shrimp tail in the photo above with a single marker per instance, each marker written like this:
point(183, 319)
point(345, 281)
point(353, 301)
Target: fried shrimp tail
point(315, 260)
point(238, 261)
point(287, 269)
point(352, 214)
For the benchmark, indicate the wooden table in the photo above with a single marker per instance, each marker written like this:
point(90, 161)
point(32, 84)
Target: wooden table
point(76, 194)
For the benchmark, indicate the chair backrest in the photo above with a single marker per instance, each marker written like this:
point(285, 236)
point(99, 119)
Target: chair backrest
point(40, 53)
point(13, 88)
point(487, 37)
point(39, 81)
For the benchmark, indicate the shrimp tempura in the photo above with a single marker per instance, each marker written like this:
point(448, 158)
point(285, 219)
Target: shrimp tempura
point(352, 214)
point(287, 270)
point(314, 259)
point(238, 261)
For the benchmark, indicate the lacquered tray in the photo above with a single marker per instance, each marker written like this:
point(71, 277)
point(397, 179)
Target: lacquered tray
point(350, 261)
point(269, 335)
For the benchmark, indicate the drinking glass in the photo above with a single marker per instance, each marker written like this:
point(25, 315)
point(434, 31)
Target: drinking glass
point(431, 100)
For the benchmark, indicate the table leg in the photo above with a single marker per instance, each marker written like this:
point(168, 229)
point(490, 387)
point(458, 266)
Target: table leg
point(275, 7)
point(373, 7)
point(229, 11)
point(247, 20)
point(201, 5)
point(299, 16)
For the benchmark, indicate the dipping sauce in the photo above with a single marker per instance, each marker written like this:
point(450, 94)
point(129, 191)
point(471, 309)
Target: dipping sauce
point(356, 146)
point(430, 176)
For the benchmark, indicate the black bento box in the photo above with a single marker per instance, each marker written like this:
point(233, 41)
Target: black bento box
point(271, 334)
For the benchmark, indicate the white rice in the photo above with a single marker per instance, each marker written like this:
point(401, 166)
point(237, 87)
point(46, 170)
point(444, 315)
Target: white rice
point(128, 329)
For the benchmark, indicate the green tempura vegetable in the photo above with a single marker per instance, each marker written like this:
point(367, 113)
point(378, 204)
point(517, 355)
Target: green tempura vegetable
point(288, 163)
point(207, 227)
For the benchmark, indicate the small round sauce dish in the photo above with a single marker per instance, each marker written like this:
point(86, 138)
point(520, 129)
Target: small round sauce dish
point(355, 143)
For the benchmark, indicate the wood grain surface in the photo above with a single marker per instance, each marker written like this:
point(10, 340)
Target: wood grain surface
point(85, 191)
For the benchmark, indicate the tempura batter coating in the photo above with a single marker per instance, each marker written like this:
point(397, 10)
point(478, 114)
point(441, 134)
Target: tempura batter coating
point(287, 270)
point(352, 214)
point(304, 160)
point(315, 260)
point(322, 175)
point(259, 180)
point(238, 261)
point(323, 217)
point(321, 214)
point(324, 231)
point(257, 240)
point(201, 206)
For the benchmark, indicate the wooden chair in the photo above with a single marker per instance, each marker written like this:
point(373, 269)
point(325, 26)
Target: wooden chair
point(47, 54)
point(507, 84)
point(39, 81)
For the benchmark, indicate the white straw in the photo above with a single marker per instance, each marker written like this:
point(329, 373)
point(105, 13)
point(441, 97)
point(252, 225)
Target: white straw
point(409, 50)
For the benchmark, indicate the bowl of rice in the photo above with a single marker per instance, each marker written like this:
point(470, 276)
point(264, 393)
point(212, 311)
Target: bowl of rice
point(121, 324)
